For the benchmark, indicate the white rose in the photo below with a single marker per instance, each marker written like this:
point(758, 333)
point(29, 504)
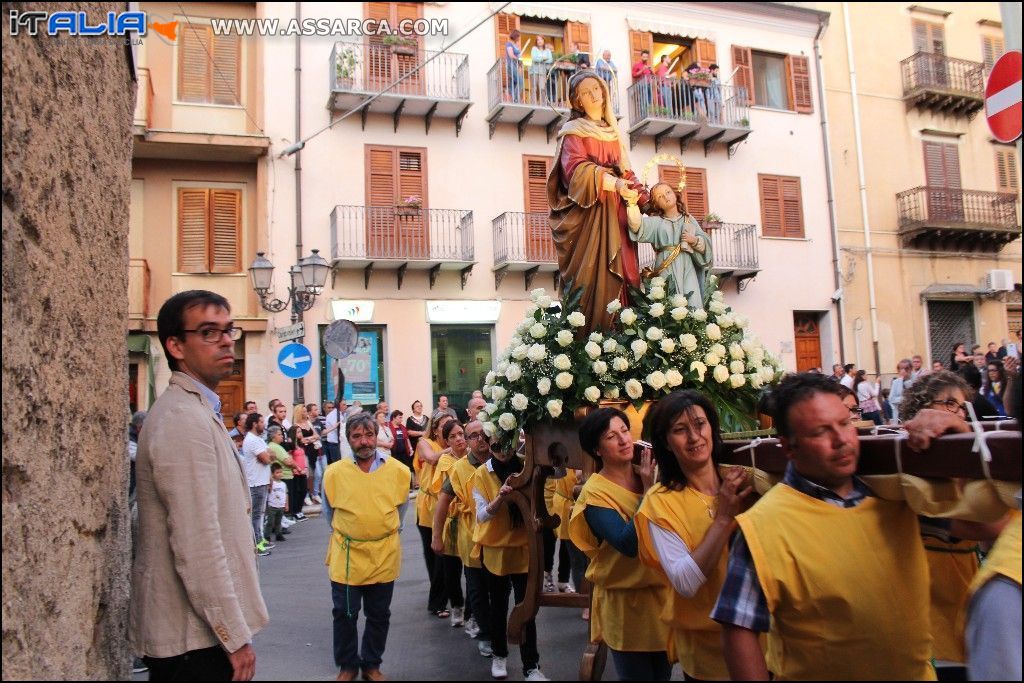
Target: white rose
point(668, 345)
point(679, 313)
point(519, 402)
point(656, 380)
point(741, 320)
point(613, 306)
point(514, 372)
point(554, 407)
point(502, 367)
point(718, 350)
point(713, 332)
point(611, 392)
point(507, 421)
point(755, 381)
point(519, 353)
point(736, 351)
point(737, 367)
point(639, 347)
point(711, 358)
point(537, 330)
point(564, 338)
point(544, 386)
point(562, 362)
point(655, 333)
point(620, 364)
point(757, 356)
point(679, 301)
point(767, 374)
point(718, 296)
point(673, 378)
point(498, 393)
point(716, 307)
point(628, 317)
point(544, 302)
point(596, 337)
point(593, 350)
point(657, 310)
point(537, 353)
point(737, 381)
point(592, 394)
point(721, 373)
point(490, 377)
point(610, 345)
point(563, 380)
point(490, 430)
point(657, 293)
point(726, 320)
point(600, 368)
point(657, 281)
point(530, 310)
point(634, 389)
point(700, 315)
point(688, 341)
point(490, 409)
point(700, 369)
point(577, 319)
point(537, 293)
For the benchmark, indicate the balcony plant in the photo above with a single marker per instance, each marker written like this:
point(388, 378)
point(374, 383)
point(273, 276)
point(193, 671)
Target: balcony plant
point(712, 221)
point(401, 45)
point(345, 67)
point(410, 206)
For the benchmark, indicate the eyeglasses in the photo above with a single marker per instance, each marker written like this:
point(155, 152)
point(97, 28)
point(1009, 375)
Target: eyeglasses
point(475, 435)
point(213, 335)
point(856, 411)
point(951, 405)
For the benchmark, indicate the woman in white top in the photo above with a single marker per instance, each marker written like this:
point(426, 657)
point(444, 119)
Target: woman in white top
point(385, 437)
point(540, 62)
point(867, 395)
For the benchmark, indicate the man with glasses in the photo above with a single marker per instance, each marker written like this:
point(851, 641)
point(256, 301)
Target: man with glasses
point(196, 600)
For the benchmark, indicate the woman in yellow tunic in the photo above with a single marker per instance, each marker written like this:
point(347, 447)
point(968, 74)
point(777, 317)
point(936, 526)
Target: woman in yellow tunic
point(443, 543)
point(684, 525)
point(428, 452)
point(558, 499)
point(628, 596)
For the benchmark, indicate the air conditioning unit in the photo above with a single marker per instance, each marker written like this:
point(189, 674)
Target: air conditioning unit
point(999, 281)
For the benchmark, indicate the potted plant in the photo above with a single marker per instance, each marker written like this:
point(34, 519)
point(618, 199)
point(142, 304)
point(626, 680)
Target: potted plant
point(401, 45)
point(744, 123)
point(410, 206)
point(712, 221)
point(345, 67)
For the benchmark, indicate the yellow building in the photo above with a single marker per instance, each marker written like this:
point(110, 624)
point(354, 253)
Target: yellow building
point(926, 201)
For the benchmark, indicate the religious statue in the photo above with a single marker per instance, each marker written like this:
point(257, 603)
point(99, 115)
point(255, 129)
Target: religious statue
point(683, 250)
point(588, 188)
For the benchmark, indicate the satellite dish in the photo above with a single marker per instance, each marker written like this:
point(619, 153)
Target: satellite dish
point(340, 339)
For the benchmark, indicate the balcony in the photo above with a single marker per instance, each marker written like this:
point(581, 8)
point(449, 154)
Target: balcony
point(522, 243)
point(530, 99)
point(400, 239)
point(940, 83)
point(734, 250)
point(360, 72)
point(138, 291)
point(668, 108)
point(954, 219)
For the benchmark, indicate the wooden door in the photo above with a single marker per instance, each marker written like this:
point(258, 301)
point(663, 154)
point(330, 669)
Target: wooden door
point(382, 65)
point(942, 176)
point(808, 341)
point(393, 174)
point(638, 42)
point(931, 39)
point(537, 228)
point(232, 393)
point(578, 34)
point(504, 24)
point(705, 52)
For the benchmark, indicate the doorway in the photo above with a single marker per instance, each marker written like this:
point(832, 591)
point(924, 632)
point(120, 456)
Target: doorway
point(807, 333)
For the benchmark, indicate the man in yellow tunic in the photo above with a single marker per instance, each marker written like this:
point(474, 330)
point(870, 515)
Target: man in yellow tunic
point(835, 575)
point(365, 555)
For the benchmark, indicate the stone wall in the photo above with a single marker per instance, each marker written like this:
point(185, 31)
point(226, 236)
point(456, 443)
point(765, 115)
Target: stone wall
point(67, 148)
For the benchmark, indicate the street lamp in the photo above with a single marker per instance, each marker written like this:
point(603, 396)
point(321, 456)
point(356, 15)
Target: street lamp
point(307, 280)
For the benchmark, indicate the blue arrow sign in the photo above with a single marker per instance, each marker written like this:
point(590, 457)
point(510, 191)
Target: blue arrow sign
point(294, 360)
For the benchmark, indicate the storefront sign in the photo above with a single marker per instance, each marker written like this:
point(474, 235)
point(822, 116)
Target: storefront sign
point(455, 312)
point(355, 310)
point(362, 378)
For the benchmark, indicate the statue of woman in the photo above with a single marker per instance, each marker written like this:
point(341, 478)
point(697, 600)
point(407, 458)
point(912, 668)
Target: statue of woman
point(588, 199)
point(683, 250)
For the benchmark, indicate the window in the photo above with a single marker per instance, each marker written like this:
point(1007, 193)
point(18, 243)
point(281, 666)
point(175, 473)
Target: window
point(539, 245)
point(770, 80)
point(209, 230)
point(209, 66)
point(949, 323)
point(696, 192)
point(395, 174)
point(782, 213)
point(774, 80)
point(929, 37)
point(992, 47)
point(460, 360)
point(1006, 170)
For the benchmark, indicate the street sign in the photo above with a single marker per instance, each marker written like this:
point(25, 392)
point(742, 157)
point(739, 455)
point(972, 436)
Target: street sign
point(296, 331)
point(294, 360)
point(1002, 98)
point(340, 339)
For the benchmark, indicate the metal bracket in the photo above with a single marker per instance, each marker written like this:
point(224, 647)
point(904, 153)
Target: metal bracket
point(334, 275)
point(528, 276)
point(521, 126)
point(637, 133)
point(550, 129)
point(710, 142)
point(459, 119)
point(499, 275)
point(430, 116)
point(465, 274)
point(685, 141)
point(401, 274)
point(735, 145)
point(434, 272)
point(363, 113)
point(743, 282)
point(661, 136)
point(492, 125)
point(366, 275)
point(398, 113)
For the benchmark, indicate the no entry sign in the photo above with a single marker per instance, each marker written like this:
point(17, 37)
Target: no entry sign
point(1002, 98)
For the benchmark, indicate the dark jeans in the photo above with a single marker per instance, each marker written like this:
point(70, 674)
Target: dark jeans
point(580, 562)
point(641, 666)
point(210, 664)
point(435, 570)
point(333, 452)
point(452, 568)
point(273, 526)
point(479, 601)
point(874, 415)
point(564, 563)
point(376, 599)
point(296, 494)
point(498, 590)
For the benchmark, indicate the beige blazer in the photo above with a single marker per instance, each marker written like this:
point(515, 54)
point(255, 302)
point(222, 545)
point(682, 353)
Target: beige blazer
point(194, 578)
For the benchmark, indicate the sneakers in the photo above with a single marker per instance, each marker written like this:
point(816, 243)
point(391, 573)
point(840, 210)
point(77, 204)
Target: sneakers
point(267, 545)
point(549, 583)
point(457, 619)
point(484, 648)
point(499, 668)
point(299, 517)
point(315, 499)
point(565, 588)
point(280, 537)
point(308, 500)
point(472, 628)
point(285, 522)
point(138, 666)
point(536, 675)
point(262, 553)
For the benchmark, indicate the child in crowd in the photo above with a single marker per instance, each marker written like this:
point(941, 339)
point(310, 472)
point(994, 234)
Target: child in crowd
point(277, 503)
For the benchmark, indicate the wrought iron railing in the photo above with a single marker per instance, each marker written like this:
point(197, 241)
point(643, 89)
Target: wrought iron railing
point(371, 67)
point(523, 237)
point(670, 98)
point(952, 206)
point(537, 85)
point(930, 71)
point(733, 247)
point(401, 233)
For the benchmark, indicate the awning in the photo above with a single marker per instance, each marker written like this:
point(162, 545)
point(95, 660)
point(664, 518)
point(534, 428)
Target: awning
point(938, 291)
point(545, 11)
point(668, 28)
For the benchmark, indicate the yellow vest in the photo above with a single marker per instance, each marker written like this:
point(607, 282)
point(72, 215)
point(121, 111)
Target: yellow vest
point(696, 640)
point(558, 500)
point(442, 472)
point(627, 595)
point(461, 477)
point(364, 548)
point(426, 501)
point(846, 587)
point(1005, 557)
point(502, 549)
point(951, 568)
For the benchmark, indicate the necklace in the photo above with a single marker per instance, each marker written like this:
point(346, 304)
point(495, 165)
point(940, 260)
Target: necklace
point(712, 507)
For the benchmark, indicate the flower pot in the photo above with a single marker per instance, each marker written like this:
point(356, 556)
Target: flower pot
point(407, 211)
point(712, 225)
point(346, 83)
point(405, 50)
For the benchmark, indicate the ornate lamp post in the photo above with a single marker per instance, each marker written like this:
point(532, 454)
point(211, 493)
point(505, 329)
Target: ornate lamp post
point(308, 277)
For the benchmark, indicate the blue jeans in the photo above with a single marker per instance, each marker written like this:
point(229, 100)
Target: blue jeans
point(258, 495)
point(318, 471)
point(515, 80)
point(641, 666)
point(376, 599)
point(333, 451)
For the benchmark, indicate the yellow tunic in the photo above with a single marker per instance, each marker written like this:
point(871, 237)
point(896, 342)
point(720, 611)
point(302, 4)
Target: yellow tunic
point(628, 596)
point(558, 500)
point(461, 477)
point(1005, 557)
point(442, 472)
point(951, 568)
point(846, 587)
point(364, 548)
point(426, 501)
point(502, 549)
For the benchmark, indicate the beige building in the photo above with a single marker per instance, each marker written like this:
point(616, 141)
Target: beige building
point(930, 249)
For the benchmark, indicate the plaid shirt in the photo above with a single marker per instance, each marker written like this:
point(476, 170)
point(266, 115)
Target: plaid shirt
point(742, 602)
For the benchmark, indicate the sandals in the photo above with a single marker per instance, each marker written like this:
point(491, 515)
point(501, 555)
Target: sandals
point(442, 614)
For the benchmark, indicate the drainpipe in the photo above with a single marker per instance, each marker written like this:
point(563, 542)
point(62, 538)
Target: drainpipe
point(837, 272)
point(863, 188)
point(298, 385)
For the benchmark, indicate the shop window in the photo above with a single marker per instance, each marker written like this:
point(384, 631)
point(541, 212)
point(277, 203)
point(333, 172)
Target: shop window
point(460, 359)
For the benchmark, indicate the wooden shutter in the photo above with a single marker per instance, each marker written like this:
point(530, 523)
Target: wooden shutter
point(992, 47)
point(381, 198)
point(1006, 171)
point(792, 208)
point(538, 242)
point(638, 42)
point(744, 63)
point(770, 190)
point(225, 231)
point(394, 174)
point(226, 74)
point(798, 75)
point(942, 165)
point(705, 51)
point(696, 192)
point(579, 33)
point(929, 37)
point(412, 180)
point(209, 230)
point(504, 24)
point(193, 210)
point(194, 63)
point(378, 62)
point(403, 64)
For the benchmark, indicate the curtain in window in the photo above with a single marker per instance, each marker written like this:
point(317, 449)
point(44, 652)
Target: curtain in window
point(770, 81)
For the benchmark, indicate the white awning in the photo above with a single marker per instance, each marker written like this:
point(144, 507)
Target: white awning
point(667, 28)
point(544, 11)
